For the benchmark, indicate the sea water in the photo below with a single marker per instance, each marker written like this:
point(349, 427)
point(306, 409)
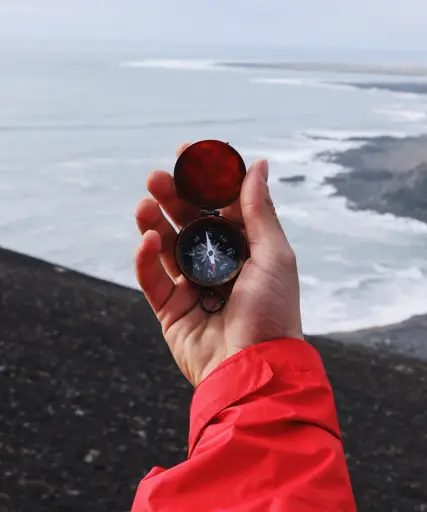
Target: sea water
point(80, 131)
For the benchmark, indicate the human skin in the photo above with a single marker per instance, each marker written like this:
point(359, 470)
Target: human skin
point(263, 303)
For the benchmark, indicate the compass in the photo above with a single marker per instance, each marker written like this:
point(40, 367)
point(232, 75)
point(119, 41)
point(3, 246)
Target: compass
point(210, 250)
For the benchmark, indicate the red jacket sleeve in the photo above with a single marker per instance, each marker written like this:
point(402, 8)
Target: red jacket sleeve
point(264, 437)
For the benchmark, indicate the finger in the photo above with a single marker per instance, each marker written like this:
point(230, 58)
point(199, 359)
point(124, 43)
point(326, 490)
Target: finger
point(149, 216)
point(157, 286)
point(265, 234)
point(162, 187)
point(171, 302)
point(234, 213)
point(182, 305)
point(181, 148)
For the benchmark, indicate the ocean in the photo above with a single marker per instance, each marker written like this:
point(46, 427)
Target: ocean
point(80, 130)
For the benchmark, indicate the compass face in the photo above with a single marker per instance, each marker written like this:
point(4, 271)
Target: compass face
point(210, 251)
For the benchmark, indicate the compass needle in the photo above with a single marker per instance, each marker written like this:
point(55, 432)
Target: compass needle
point(214, 261)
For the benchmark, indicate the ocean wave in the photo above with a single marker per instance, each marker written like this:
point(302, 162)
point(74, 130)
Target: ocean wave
point(407, 95)
point(308, 280)
point(306, 145)
point(325, 67)
point(92, 163)
point(330, 215)
point(409, 90)
point(359, 303)
point(292, 211)
point(414, 88)
point(318, 83)
point(403, 115)
point(318, 206)
point(84, 184)
point(133, 127)
point(304, 82)
point(332, 67)
point(200, 65)
point(346, 135)
point(412, 274)
point(300, 154)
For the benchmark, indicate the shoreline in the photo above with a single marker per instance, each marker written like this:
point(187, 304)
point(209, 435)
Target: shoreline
point(94, 399)
point(332, 67)
point(387, 175)
point(408, 337)
point(416, 88)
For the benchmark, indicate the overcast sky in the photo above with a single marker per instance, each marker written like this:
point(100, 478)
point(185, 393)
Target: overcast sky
point(356, 23)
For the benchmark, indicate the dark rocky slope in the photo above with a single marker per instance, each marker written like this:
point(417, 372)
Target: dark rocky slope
point(91, 400)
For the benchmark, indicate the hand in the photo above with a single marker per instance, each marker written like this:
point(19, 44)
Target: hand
point(264, 302)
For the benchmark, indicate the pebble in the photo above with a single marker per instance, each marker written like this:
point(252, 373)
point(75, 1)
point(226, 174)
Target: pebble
point(91, 456)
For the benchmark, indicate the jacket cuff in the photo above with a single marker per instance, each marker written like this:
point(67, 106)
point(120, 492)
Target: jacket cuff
point(247, 372)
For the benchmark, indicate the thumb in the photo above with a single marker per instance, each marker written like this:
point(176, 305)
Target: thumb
point(263, 228)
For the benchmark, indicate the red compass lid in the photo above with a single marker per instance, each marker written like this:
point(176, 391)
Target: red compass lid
point(209, 174)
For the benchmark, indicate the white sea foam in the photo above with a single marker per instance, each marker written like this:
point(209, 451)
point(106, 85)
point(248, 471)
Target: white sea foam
point(125, 163)
point(379, 296)
point(304, 146)
point(308, 280)
point(406, 95)
point(403, 115)
point(345, 135)
point(303, 82)
point(75, 180)
point(379, 299)
point(299, 156)
point(330, 214)
point(293, 211)
point(415, 273)
point(201, 65)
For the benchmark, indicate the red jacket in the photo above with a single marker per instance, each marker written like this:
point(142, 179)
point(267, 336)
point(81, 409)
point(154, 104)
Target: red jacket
point(264, 437)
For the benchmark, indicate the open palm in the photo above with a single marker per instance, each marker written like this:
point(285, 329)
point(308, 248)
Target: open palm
point(263, 303)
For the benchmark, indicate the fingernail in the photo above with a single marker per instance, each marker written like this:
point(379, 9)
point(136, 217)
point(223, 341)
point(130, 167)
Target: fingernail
point(264, 169)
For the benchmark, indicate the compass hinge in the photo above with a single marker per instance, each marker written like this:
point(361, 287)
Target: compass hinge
point(210, 212)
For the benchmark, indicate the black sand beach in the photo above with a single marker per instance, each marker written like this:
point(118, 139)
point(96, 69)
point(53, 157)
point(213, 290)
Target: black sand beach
point(387, 175)
point(91, 399)
point(408, 337)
